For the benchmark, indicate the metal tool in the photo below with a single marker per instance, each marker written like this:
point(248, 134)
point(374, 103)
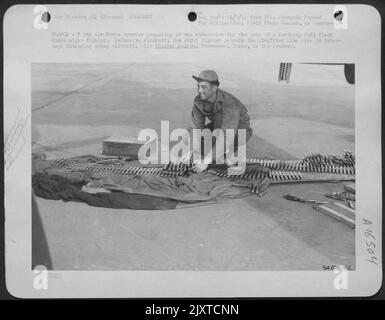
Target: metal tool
point(293, 198)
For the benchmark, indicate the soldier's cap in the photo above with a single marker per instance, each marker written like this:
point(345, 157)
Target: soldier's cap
point(209, 76)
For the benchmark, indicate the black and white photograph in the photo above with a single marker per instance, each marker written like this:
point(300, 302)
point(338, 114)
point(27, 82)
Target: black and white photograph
point(292, 209)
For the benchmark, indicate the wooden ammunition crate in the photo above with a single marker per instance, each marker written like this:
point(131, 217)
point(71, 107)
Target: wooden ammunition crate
point(123, 146)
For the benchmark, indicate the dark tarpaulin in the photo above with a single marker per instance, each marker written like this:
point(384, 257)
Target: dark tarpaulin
point(56, 187)
point(129, 191)
point(195, 188)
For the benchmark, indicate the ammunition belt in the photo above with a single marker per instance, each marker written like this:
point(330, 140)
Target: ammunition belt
point(302, 166)
point(120, 168)
point(273, 175)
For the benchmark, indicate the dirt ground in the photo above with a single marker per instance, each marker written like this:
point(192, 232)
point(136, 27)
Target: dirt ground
point(75, 107)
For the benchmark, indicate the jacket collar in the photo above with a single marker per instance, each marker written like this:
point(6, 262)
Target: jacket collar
point(220, 96)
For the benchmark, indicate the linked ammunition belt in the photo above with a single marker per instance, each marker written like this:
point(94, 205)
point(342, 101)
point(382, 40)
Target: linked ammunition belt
point(276, 176)
point(282, 169)
point(169, 170)
point(260, 174)
point(276, 170)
